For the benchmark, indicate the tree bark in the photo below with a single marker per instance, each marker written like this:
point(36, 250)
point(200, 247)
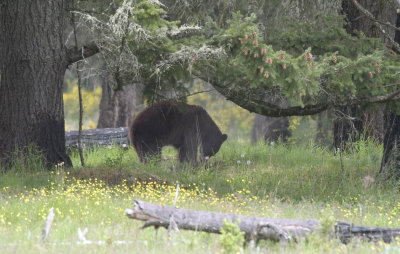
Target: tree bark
point(346, 127)
point(33, 60)
point(118, 108)
point(390, 165)
point(391, 148)
point(255, 228)
point(368, 122)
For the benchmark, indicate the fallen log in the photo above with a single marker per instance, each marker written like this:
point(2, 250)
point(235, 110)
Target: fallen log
point(99, 137)
point(255, 228)
point(346, 231)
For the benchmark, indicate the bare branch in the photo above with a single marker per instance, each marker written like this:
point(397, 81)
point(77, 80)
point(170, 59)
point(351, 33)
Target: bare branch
point(388, 24)
point(191, 94)
point(383, 98)
point(92, 12)
point(369, 15)
point(183, 31)
point(86, 51)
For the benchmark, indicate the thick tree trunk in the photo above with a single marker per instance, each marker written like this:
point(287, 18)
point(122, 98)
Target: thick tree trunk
point(33, 60)
point(118, 108)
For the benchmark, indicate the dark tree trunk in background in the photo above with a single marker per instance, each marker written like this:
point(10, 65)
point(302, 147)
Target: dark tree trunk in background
point(33, 60)
point(118, 108)
point(346, 127)
point(352, 122)
point(370, 121)
point(374, 123)
point(357, 21)
point(381, 120)
point(270, 129)
point(390, 166)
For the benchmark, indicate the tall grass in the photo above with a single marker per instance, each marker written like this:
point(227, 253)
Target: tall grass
point(287, 172)
point(277, 181)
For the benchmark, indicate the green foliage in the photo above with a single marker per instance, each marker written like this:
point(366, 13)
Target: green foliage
point(148, 15)
point(340, 71)
point(327, 223)
point(155, 48)
point(231, 237)
point(114, 157)
point(324, 34)
point(304, 62)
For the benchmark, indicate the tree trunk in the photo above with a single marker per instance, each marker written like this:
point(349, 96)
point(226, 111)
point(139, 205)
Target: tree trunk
point(346, 127)
point(391, 148)
point(390, 166)
point(369, 122)
point(118, 108)
point(33, 60)
point(270, 129)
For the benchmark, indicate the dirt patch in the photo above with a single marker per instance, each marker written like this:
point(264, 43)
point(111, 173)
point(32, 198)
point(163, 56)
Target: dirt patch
point(113, 177)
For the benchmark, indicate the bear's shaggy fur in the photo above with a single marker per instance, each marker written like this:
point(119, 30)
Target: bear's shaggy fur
point(185, 127)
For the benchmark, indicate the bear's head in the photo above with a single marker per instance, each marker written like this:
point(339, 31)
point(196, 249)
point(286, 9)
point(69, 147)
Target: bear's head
point(212, 146)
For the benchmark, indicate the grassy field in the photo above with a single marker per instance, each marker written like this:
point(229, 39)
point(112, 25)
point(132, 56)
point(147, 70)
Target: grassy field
point(272, 181)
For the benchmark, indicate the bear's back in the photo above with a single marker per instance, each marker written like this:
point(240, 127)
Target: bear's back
point(161, 119)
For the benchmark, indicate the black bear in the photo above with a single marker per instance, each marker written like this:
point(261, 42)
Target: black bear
point(185, 127)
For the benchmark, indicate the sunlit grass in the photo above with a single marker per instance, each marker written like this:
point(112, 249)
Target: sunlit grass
point(286, 172)
point(271, 181)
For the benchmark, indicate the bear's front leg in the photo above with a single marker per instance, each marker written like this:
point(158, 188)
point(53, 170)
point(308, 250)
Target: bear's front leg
point(150, 151)
point(188, 152)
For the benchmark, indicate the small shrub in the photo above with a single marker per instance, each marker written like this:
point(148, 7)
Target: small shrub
point(232, 238)
point(327, 223)
point(114, 157)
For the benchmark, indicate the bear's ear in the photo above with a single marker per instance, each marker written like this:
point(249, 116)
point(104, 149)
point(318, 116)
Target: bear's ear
point(224, 137)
